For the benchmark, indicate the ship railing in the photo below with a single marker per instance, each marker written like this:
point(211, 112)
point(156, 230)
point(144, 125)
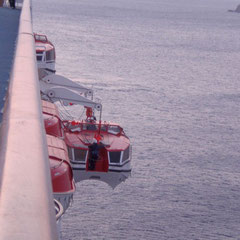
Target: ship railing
point(24, 165)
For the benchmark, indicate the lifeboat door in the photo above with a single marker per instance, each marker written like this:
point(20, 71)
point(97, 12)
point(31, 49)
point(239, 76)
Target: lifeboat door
point(100, 164)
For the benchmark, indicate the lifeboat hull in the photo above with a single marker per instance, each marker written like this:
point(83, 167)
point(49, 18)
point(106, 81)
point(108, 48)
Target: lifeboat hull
point(65, 199)
point(113, 177)
point(61, 172)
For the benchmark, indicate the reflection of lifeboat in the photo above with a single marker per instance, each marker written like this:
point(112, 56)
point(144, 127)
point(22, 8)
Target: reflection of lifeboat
point(45, 53)
point(105, 156)
point(61, 171)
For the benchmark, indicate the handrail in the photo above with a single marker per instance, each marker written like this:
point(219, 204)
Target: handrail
point(59, 209)
point(26, 198)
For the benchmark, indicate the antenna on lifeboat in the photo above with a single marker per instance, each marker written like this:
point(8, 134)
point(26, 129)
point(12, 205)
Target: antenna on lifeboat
point(98, 134)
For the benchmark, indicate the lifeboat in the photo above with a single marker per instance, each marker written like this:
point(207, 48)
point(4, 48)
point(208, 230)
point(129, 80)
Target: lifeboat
point(52, 119)
point(61, 171)
point(96, 150)
point(45, 54)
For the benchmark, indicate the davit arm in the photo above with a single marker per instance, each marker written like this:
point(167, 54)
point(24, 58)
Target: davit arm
point(68, 96)
point(56, 80)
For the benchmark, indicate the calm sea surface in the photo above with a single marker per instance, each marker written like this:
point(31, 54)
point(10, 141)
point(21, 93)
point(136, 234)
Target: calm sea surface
point(168, 72)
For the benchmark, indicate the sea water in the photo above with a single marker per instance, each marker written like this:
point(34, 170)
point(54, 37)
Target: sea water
point(168, 72)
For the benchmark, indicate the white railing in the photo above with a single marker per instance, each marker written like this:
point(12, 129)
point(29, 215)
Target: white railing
point(26, 199)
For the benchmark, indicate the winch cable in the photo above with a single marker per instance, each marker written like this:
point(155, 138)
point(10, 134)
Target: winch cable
point(68, 114)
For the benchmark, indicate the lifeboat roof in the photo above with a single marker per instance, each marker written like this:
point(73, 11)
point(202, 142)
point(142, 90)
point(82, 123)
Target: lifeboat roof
point(81, 135)
point(57, 148)
point(50, 109)
point(42, 43)
point(52, 120)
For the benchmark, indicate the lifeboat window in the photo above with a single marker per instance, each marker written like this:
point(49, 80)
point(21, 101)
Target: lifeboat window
point(70, 153)
point(125, 155)
point(80, 155)
point(104, 128)
point(115, 157)
point(114, 130)
point(41, 38)
point(90, 127)
point(50, 56)
point(39, 57)
point(94, 127)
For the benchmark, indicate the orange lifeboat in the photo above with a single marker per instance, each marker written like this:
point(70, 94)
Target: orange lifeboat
point(61, 171)
point(45, 54)
point(96, 150)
